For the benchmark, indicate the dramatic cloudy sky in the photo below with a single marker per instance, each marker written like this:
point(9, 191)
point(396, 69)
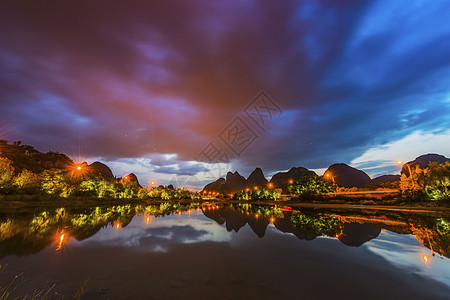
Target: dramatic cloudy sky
point(145, 86)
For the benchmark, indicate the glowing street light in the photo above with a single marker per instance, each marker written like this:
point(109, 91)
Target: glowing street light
point(255, 188)
point(270, 185)
point(78, 168)
point(291, 181)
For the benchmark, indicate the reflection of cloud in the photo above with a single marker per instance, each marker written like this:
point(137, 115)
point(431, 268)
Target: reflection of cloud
point(406, 252)
point(161, 233)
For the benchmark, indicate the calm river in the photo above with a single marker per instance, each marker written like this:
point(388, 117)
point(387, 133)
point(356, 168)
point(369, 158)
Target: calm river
point(216, 251)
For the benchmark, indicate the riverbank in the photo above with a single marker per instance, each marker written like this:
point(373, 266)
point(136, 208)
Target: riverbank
point(31, 203)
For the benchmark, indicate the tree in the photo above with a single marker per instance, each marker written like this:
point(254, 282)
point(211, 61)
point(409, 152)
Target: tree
point(415, 181)
point(311, 186)
point(28, 182)
point(54, 182)
point(6, 172)
point(438, 182)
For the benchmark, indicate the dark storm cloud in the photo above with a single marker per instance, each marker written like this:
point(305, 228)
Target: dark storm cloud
point(167, 76)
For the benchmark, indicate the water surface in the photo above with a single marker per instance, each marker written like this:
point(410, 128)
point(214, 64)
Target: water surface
point(216, 251)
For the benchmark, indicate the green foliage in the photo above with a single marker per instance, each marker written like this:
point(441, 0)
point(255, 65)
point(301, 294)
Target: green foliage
point(142, 193)
point(443, 227)
point(28, 182)
point(438, 183)
point(432, 182)
point(54, 182)
point(439, 190)
point(316, 225)
point(259, 194)
point(6, 172)
point(311, 186)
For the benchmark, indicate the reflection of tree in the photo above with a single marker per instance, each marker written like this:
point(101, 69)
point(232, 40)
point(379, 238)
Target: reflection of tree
point(30, 233)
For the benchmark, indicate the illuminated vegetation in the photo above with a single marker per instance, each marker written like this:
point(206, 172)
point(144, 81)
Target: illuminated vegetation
point(432, 183)
point(257, 194)
point(316, 225)
point(307, 187)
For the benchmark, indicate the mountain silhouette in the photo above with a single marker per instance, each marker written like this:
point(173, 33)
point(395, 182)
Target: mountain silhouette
point(257, 178)
point(346, 176)
point(423, 161)
point(281, 179)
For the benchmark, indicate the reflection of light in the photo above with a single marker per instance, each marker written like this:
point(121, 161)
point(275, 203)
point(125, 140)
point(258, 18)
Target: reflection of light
point(117, 226)
point(179, 212)
point(61, 239)
point(147, 220)
point(425, 258)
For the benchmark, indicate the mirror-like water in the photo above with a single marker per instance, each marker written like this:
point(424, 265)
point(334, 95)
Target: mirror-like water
point(216, 251)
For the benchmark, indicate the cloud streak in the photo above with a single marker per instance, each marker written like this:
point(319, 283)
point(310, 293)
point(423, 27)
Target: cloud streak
point(157, 78)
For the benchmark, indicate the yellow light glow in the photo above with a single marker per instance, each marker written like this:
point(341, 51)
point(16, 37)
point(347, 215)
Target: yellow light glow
point(425, 258)
point(270, 185)
point(78, 168)
point(291, 181)
point(117, 226)
point(256, 215)
point(328, 175)
point(255, 188)
point(272, 219)
point(400, 162)
point(61, 240)
point(152, 183)
point(126, 177)
point(147, 220)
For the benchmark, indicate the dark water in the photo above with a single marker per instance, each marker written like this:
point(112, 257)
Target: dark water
point(220, 251)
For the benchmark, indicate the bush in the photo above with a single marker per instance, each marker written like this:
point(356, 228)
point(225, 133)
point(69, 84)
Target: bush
point(311, 186)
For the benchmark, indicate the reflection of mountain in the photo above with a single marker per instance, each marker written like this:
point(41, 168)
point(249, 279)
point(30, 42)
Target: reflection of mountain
point(284, 225)
point(235, 220)
point(355, 234)
point(28, 233)
point(258, 225)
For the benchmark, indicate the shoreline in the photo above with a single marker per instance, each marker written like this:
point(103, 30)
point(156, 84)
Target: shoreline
point(29, 203)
